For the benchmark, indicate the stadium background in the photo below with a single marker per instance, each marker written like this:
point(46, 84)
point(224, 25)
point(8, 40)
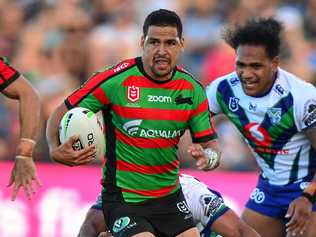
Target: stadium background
point(57, 44)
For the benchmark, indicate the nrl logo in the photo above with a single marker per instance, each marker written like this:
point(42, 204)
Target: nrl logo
point(275, 115)
point(233, 104)
point(133, 93)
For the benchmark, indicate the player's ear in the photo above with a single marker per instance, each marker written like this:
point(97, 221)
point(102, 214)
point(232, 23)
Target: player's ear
point(142, 41)
point(275, 63)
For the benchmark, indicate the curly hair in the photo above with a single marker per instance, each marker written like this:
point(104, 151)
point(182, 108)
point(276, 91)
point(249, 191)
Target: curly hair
point(262, 31)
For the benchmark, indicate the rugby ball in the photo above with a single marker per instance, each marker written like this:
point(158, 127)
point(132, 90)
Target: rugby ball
point(86, 124)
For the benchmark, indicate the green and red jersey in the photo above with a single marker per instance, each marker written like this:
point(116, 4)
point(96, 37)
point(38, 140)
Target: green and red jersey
point(144, 121)
point(7, 73)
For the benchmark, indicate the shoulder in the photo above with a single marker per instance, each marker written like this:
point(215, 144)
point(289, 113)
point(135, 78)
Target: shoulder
point(299, 88)
point(183, 74)
point(113, 71)
point(230, 79)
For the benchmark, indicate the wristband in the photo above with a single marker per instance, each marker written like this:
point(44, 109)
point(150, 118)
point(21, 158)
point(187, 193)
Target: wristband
point(28, 140)
point(309, 197)
point(212, 157)
point(23, 157)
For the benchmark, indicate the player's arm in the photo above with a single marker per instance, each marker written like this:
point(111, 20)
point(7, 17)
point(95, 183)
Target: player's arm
point(24, 171)
point(64, 153)
point(300, 209)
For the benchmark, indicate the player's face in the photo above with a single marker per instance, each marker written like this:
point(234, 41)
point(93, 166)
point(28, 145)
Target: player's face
point(161, 48)
point(255, 69)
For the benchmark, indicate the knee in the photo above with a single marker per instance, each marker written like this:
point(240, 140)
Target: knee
point(233, 231)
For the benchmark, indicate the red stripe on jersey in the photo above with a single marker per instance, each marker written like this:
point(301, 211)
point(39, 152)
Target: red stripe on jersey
point(146, 169)
point(141, 142)
point(143, 82)
point(152, 114)
point(96, 80)
point(6, 71)
point(153, 193)
point(101, 97)
point(201, 108)
point(205, 133)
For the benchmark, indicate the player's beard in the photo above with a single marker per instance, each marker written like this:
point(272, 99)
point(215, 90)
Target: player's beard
point(165, 74)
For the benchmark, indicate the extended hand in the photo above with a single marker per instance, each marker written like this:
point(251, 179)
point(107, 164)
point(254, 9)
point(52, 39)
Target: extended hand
point(22, 175)
point(203, 162)
point(66, 155)
point(299, 212)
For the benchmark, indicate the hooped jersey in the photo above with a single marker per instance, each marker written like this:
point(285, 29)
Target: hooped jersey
point(7, 73)
point(273, 125)
point(144, 120)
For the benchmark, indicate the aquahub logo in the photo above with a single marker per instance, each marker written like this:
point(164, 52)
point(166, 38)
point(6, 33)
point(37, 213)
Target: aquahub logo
point(133, 93)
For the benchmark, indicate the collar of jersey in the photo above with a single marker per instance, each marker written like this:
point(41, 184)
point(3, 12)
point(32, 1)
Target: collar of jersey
point(140, 66)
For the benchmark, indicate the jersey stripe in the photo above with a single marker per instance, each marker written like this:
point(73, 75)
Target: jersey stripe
point(154, 193)
point(143, 82)
point(152, 114)
point(96, 80)
point(101, 97)
point(146, 169)
point(141, 142)
point(7, 74)
point(201, 108)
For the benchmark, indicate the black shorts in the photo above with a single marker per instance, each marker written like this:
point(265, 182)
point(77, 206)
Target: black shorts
point(166, 216)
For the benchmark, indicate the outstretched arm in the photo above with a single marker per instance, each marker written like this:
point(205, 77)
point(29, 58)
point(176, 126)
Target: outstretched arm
point(300, 209)
point(24, 171)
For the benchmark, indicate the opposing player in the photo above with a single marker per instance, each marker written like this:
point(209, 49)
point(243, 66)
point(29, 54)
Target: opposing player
point(148, 102)
point(276, 113)
point(207, 206)
point(13, 85)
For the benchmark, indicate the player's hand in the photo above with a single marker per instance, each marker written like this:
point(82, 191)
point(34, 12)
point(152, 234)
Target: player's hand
point(105, 234)
point(23, 175)
point(65, 154)
point(202, 161)
point(299, 212)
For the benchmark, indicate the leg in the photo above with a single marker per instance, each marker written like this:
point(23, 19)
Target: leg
point(93, 224)
point(266, 226)
point(230, 225)
point(193, 232)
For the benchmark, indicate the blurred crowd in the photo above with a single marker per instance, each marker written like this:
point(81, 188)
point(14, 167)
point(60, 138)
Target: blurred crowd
point(58, 44)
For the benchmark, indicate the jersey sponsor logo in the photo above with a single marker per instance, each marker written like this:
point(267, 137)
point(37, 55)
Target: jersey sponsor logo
point(252, 107)
point(120, 224)
point(304, 185)
point(233, 104)
point(211, 204)
point(309, 116)
point(257, 195)
point(279, 89)
point(133, 93)
point(183, 100)
point(234, 81)
point(152, 133)
point(159, 98)
point(274, 115)
point(133, 128)
point(183, 207)
point(120, 67)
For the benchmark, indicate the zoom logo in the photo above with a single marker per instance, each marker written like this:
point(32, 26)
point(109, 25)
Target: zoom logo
point(257, 195)
point(131, 127)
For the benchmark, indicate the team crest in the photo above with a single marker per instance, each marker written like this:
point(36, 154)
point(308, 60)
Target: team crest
point(233, 104)
point(275, 115)
point(133, 93)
